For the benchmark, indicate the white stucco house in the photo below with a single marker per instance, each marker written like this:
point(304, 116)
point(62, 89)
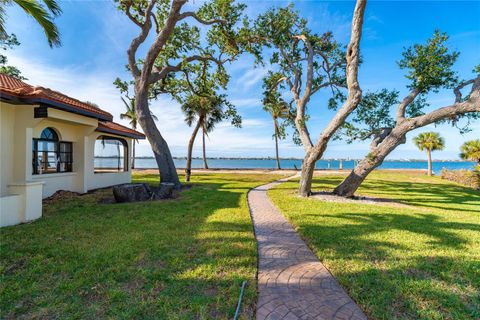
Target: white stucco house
point(51, 142)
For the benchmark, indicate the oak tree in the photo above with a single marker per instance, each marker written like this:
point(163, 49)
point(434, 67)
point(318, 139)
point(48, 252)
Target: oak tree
point(309, 62)
point(429, 68)
point(179, 41)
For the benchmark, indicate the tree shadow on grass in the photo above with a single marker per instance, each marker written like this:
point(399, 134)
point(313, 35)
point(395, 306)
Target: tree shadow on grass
point(395, 262)
point(426, 287)
point(429, 195)
point(398, 266)
point(178, 259)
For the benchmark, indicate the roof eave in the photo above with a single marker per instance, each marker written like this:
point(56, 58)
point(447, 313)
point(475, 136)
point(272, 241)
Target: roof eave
point(54, 104)
point(120, 133)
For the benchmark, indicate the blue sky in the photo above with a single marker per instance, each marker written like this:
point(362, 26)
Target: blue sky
point(95, 37)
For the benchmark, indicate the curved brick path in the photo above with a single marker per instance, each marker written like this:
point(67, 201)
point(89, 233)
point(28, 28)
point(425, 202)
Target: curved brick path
point(292, 282)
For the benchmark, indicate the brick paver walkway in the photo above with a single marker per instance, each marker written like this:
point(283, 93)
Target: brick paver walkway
point(292, 282)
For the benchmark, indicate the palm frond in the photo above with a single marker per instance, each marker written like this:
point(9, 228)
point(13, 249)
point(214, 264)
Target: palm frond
point(43, 18)
point(53, 6)
point(3, 14)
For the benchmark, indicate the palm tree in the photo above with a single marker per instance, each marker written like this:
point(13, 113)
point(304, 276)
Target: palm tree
point(44, 16)
point(206, 111)
point(278, 109)
point(429, 141)
point(470, 150)
point(132, 116)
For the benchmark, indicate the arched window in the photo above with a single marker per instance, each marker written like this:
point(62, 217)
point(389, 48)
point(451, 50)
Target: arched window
point(111, 155)
point(49, 134)
point(51, 155)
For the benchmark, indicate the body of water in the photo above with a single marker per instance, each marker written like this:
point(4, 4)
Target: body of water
point(143, 163)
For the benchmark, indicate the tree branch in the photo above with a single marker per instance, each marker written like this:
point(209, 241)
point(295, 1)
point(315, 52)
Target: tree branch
point(308, 85)
point(129, 14)
point(451, 111)
point(162, 36)
point(202, 21)
point(160, 74)
point(402, 107)
point(458, 93)
point(136, 42)
point(354, 91)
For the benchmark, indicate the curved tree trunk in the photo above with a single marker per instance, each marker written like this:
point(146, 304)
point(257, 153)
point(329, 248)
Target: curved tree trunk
point(397, 136)
point(205, 164)
point(373, 159)
point(315, 152)
point(429, 160)
point(308, 168)
point(275, 124)
point(161, 151)
point(188, 167)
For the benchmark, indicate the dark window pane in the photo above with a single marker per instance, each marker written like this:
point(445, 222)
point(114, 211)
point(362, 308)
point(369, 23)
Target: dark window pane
point(109, 154)
point(65, 147)
point(49, 133)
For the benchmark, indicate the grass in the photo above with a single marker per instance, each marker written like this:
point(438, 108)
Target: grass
point(416, 262)
point(176, 259)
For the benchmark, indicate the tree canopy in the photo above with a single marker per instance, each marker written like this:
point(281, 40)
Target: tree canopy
point(6, 43)
point(430, 141)
point(429, 68)
point(470, 150)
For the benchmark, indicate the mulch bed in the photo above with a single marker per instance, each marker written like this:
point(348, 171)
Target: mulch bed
point(330, 197)
point(61, 195)
point(104, 195)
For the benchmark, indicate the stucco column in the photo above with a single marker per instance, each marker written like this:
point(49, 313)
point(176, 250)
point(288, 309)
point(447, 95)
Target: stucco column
point(80, 163)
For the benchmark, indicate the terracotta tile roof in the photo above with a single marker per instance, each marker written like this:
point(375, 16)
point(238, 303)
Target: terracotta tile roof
point(26, 93)
point(112, 127)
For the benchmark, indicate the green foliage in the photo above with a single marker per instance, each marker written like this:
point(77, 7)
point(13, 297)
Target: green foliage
point(477, 69)
point(371, 116)
point(470, 150)
point(43, 14)
point(275, 105)
point(210, 110)
point(129, 103)
point(429, 141)
point(429, 69)
point(430, 66)
point(9, 42)
point(279, 29)
point(282, 36)
point(219, 43)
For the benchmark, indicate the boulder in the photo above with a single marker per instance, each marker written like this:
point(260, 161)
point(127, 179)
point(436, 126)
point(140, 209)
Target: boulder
point(165, 191)
point(131, 192)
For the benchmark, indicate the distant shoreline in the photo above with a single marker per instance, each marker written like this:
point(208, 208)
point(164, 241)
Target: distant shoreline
point(286, 170)
point(292, 159)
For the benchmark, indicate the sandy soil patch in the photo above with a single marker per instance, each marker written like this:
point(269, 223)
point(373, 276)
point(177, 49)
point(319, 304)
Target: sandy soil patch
point(330, 197)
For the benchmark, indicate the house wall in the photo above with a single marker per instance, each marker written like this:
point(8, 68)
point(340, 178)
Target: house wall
point(81, 132)
point(20, 190)
point(7, 120)
point(101, 180)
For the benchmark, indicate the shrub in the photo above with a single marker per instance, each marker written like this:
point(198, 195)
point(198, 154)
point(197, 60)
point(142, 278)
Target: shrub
point(466, 177)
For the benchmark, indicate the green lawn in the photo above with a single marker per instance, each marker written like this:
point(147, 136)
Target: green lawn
point(397, 263)
point(176, 259)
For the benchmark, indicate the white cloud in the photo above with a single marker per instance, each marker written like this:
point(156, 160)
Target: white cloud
point(250, 78)
point(247, 103)
point(254, 138)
